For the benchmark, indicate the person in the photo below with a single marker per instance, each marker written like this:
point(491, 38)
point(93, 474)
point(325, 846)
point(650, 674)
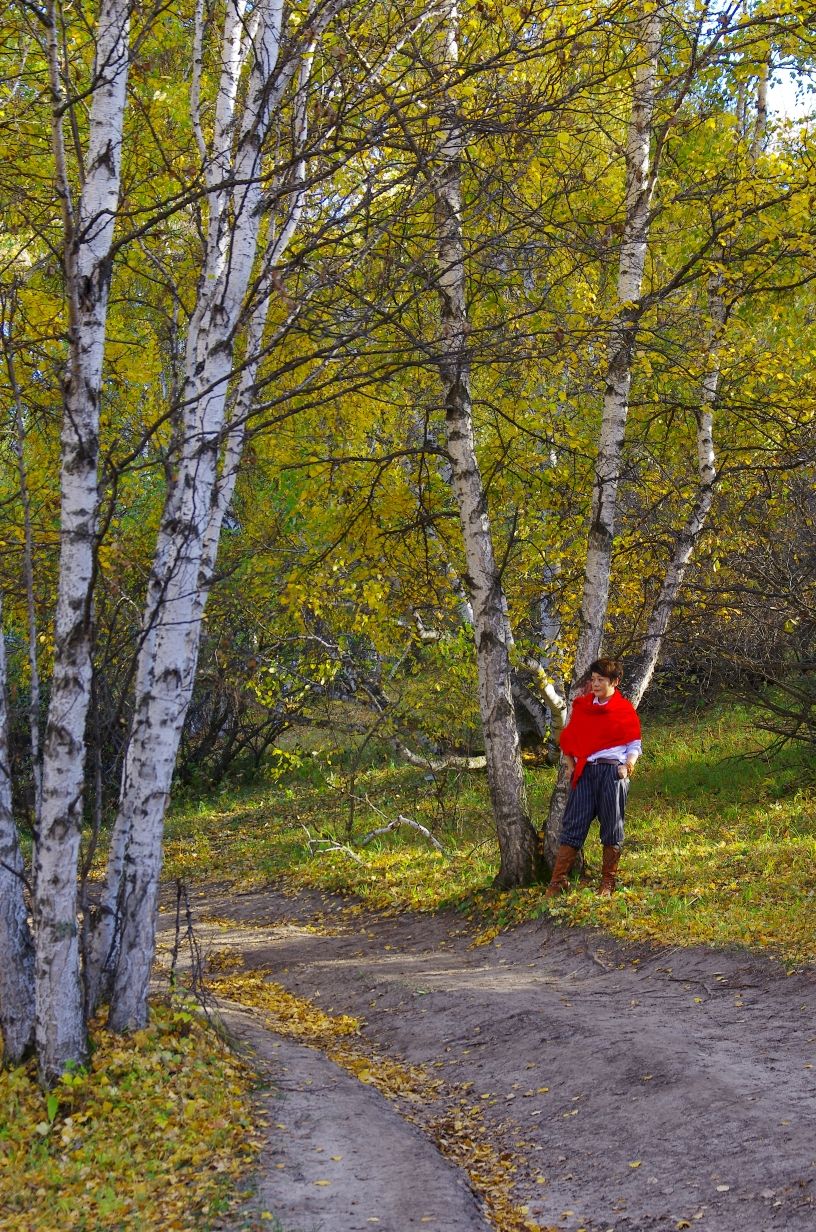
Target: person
point(601, 744)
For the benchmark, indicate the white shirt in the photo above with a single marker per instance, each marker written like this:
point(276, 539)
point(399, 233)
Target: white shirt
point(618, 752)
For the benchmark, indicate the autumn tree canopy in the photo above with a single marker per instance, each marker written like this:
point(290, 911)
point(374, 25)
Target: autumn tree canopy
point(408, 353)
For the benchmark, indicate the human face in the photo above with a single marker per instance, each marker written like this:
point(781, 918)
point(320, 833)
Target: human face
point(601, 687)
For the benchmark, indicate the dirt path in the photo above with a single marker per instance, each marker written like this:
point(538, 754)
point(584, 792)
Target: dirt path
point(637, 1089)
point(327, 1129)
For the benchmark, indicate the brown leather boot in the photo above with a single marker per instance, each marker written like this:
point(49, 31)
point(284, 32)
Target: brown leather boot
point(564, 861)
point(611, 858)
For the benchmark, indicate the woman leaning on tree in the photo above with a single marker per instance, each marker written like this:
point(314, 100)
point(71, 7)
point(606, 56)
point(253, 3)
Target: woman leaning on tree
point(601, 744)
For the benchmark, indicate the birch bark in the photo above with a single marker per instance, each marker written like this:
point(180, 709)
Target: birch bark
point(640, 184)
point(88, 235)
point(761, 122)
point(16, 945)
point(642, 670)
point(104, 946)
point(517, 838)
point(197, 504)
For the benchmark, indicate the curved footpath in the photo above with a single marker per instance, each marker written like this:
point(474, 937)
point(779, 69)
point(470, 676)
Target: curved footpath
point(338, 1157)
point(637, 1089)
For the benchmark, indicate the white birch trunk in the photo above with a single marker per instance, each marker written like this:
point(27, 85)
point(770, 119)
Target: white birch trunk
point(640, 183)
point(550, 684)
point(59, 1001)
point(642, 670)
point(555, 813)
point(761, 122)
point(104, 946)
point(195, 529)
point(639, 190)
point(28, 575)
point(16, 945)
point(517, 839)
point(646, 662)
point(101, 936)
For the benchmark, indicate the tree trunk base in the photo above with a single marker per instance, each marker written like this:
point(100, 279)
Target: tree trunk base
point(506, 879)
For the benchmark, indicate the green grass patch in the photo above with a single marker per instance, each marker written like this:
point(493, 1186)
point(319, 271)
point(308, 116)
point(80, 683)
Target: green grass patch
point(152, 1136)
point(721, 840)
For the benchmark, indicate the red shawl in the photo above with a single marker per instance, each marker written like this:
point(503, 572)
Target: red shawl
point(592, 728)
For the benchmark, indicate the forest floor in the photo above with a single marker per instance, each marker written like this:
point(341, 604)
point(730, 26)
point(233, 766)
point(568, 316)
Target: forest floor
point(552, 1078)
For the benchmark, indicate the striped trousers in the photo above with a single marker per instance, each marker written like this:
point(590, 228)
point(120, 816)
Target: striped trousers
point(598, 793)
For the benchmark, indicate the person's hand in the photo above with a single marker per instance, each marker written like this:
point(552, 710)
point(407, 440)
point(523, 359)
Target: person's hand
point(625, 770)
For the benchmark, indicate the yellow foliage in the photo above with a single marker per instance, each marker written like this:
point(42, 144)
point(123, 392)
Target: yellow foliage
point(152, 1136)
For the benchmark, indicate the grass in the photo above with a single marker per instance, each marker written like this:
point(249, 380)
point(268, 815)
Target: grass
point(721, 840)
point(155, 1133)
point(152, 1136)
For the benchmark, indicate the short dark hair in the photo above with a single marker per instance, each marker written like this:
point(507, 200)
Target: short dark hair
point(611, 668)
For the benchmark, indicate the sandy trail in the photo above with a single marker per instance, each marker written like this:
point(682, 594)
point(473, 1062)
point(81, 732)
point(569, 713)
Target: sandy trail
point(680, 1084)
point(339, 1157)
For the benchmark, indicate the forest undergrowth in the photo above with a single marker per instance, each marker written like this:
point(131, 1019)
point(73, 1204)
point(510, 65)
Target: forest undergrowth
point(721, 839)
point(156, 1132)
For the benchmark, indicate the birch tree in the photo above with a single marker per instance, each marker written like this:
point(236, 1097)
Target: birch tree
point(234, 161)
point(715, 256)
point(88, 228)
point(16, 944)
point(105, 945)
point(517, 841)
point(643, 668)
point(695, 523)
point(641, 176)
